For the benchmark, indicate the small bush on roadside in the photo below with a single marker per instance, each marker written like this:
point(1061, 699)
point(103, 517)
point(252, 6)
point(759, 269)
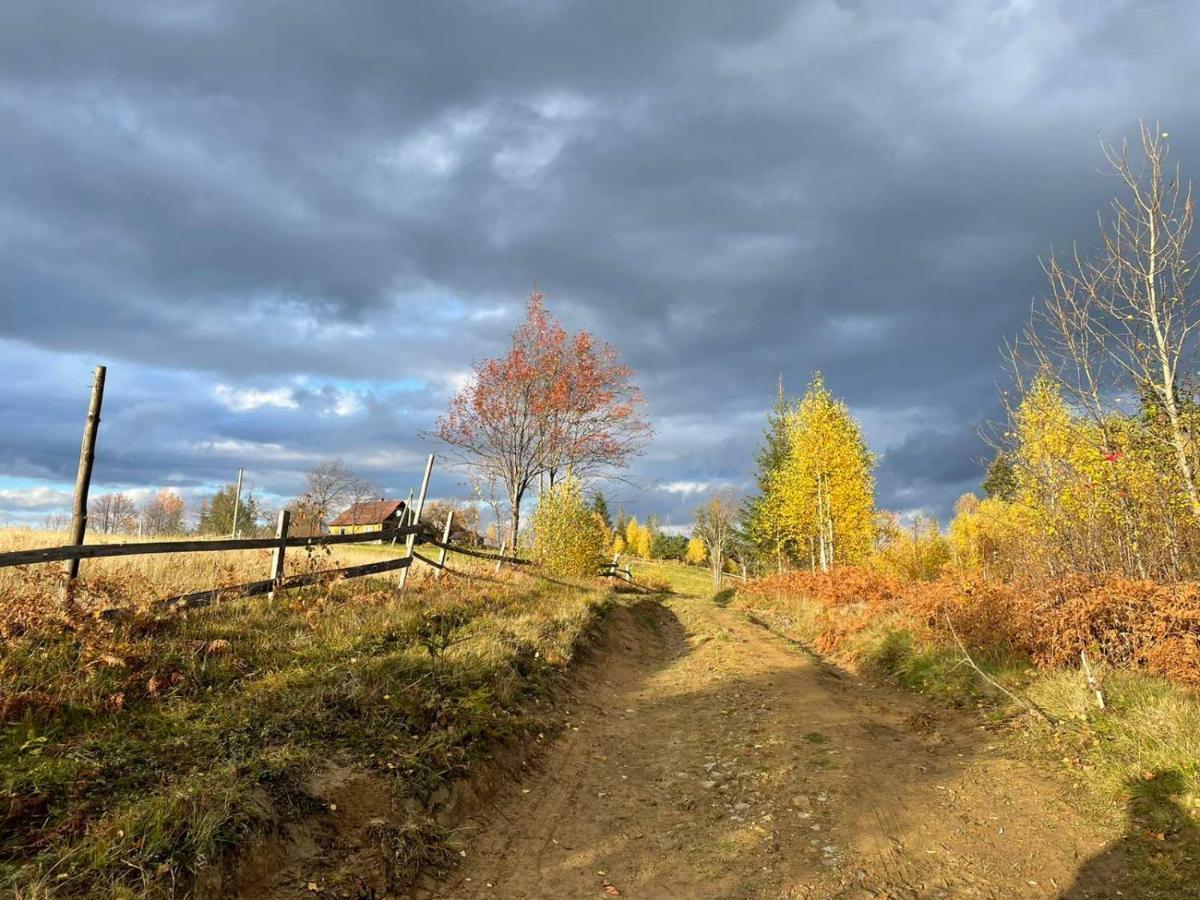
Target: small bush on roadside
point(568, 537)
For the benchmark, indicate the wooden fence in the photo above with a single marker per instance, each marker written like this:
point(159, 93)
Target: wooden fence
point(409, 528)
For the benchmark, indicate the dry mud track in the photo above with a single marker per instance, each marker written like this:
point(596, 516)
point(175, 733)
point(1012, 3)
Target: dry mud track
point(706, 757)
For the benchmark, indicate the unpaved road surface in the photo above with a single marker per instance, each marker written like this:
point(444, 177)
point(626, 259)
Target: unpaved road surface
point(706, 757)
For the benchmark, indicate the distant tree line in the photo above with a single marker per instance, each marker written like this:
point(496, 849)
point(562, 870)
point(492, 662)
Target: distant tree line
point(330, 488)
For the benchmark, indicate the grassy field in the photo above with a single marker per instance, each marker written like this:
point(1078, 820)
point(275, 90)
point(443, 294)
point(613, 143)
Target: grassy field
point(694, 581)
point(137, 581)
point(1140, 756)
point(136, 755)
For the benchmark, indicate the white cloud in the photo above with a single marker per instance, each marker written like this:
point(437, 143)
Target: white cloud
point(244, 400)
point(34, 498)
point(686, 488)
point(251, 450)
point(347, 404)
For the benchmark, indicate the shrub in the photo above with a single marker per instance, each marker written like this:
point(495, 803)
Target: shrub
point(568, 537)
point(916, 552)
point(1142, 625)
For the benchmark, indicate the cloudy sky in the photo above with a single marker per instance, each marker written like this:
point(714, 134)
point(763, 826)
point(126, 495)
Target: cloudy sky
point(289, 228)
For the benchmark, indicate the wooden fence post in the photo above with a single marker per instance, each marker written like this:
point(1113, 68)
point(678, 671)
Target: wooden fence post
point(237, 502)
point(503, 547)
point(416, 520)
point(83, 479)
point(281, 532)
point(445, 542)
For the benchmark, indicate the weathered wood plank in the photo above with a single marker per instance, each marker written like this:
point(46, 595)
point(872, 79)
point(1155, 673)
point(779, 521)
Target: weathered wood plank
point(427, 560)
point(257, 588)
point(491, 557)
point(102, 551)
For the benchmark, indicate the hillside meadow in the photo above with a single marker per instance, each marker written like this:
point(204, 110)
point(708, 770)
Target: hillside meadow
point(140, 751)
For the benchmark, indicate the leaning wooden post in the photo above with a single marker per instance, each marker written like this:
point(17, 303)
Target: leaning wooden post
point(281, 532)
point(83, 479)
point(616, 565)
point(407, 513)
point(445, 543)
point(415, 515)
point(237, 501)
point(503, 547)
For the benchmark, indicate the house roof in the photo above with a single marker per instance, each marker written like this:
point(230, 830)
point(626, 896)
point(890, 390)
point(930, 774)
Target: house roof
point(372, 512)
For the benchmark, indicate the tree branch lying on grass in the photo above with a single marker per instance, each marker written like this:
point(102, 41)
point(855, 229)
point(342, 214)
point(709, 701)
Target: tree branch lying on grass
point(967, 658)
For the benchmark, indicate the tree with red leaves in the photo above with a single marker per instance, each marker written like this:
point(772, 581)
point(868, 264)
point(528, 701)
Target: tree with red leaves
point(555, 404)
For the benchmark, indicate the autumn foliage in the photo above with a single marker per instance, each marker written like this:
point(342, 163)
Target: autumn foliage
point(1137, 624)
point(816, 502)
point(555, 404)
point(569, 538)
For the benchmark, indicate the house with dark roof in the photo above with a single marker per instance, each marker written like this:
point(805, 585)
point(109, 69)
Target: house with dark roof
point(371, 515)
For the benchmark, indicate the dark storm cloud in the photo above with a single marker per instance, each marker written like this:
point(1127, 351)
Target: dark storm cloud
point(289, 228)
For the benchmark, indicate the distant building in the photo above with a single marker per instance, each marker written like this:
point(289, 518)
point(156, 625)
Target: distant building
point(371, 515)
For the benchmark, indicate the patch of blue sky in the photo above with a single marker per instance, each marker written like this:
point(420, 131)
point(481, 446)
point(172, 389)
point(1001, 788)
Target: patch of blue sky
point(364, 385)
point(13, 483)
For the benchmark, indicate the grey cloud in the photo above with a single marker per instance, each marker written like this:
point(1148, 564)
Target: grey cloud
point(208, 194)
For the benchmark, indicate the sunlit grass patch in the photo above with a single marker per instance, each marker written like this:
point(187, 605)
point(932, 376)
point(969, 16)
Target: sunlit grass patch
point(136, 754)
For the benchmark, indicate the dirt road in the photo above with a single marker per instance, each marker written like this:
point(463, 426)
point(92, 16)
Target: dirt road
point(709, 758)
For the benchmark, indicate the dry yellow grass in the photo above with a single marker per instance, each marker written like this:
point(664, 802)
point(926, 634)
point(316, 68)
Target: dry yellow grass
point(28, 594)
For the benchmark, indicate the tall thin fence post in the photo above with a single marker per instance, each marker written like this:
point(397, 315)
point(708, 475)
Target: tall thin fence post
point(83, 479)
point(404, 519)
point(445, 543)
point(416, 520)
point(237, 502)
point(281, 532)
point(503, 547)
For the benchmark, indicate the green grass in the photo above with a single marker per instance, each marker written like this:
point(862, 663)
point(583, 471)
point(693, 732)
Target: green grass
point(1138, 760)
point(134, 757)
point(692, 581)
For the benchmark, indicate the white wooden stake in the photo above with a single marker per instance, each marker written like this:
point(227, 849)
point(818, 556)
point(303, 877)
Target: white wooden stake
point(416, 520)
point(1091, 679)
point(281, 532)
point(237, 500)
point(446, 541)
point(503, 547)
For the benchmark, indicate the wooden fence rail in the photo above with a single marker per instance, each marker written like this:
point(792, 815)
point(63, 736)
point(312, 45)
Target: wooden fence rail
point(479, 554)
point(101, 551)
point(270, 585)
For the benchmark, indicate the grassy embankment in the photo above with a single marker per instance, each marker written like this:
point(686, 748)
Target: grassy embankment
point(1140, 755)
point(136, 755)
point(693, 581)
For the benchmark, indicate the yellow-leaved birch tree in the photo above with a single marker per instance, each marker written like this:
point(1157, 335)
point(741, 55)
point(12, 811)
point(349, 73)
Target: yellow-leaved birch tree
point(826, 486)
